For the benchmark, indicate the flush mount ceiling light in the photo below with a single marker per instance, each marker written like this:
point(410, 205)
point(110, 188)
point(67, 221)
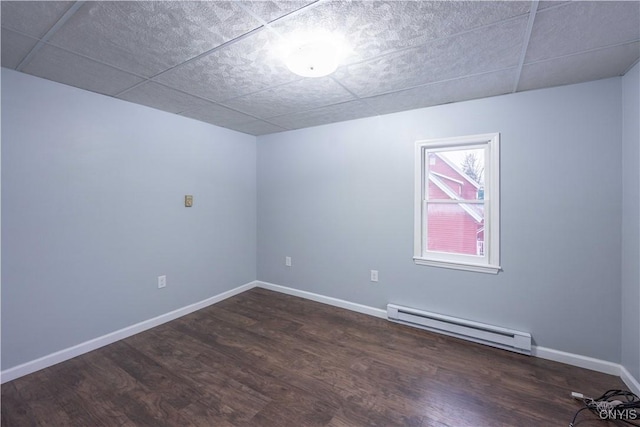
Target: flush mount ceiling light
point(315, 55)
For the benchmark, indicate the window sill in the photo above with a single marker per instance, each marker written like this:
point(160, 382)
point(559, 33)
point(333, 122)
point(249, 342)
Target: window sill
point(478, 268)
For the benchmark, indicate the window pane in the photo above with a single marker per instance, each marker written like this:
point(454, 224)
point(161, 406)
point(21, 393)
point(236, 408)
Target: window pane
point(456, 174)
point(456, 228)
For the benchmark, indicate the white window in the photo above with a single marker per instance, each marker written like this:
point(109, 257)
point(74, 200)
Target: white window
point(457, 203)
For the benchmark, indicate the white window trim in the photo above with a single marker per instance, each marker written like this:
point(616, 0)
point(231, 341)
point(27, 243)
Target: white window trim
point(490, 263)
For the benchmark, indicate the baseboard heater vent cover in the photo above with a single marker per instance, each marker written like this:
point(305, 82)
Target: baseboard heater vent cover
point(494, 336)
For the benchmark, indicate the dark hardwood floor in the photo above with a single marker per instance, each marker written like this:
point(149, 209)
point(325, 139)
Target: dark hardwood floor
point(267, 359)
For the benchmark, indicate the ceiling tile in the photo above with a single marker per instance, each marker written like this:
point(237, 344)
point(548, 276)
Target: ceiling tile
point(300, 95)
point(488, 49)
point(598, 64)
point(329, 114)
point(256, 127)
point(246, 66)
point(148, 37)
point(579, 26)
point(375, 27)
point(218, 115)
point(33, 18)
point(15, 47)
point(163, 98)
point(490, 84)
point(64, 67)
point(270, 10)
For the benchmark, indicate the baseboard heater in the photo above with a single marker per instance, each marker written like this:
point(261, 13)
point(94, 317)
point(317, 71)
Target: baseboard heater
point(495, 336)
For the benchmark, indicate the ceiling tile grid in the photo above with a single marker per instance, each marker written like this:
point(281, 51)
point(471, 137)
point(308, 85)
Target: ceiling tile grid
point(222, 62)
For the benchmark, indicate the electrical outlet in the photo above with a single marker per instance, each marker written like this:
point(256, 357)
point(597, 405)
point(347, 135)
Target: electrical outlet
point(162, 282)
point(287, 261)
point(374, 275)
point(188, 201)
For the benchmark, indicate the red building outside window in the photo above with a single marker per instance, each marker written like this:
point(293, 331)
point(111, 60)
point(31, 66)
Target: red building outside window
point(455, 227)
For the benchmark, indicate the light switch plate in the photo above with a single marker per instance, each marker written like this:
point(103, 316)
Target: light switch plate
point(188, 200)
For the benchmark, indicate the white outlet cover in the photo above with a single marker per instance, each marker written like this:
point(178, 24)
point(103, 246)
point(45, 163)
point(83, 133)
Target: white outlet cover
point(162, 281)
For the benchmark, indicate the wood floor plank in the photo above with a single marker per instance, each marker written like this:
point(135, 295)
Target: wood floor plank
point(219, 392)
point(15, 411)
point(267, 359)
point(334, 373)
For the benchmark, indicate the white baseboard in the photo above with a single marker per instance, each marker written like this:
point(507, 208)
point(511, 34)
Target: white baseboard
point(576, 360)
point(629, 380)
point(365, 309)
point(87, 346)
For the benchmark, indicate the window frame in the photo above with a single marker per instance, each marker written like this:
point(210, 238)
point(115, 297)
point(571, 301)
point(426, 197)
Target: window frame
point(490, 262)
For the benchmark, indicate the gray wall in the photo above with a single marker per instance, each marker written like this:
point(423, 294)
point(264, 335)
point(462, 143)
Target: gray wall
point(92, 213)
point(631, 221)
point(92, 192)
point(338, 199)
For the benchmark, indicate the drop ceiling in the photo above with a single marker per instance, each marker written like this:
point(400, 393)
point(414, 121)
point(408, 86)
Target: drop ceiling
point(220, 61)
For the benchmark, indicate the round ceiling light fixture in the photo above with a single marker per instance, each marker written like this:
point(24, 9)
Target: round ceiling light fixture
point(315, 56)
